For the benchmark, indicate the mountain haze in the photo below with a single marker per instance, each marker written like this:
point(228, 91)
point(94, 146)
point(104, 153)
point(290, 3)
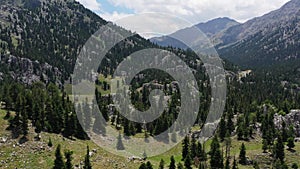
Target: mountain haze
point(210, 29)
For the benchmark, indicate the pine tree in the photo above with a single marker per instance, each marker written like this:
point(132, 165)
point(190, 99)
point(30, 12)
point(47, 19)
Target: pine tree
point(290, 143)
point(149, 165)
point(172, 163)
point(255, 165)
point(8, 115)
point(294, 166)
point(242, 156)
point(279, 149)
point(143, 166)
point(188, 162)
point(59, 162)
point(87, 162)
point(227, 164)
point(216, 161)
point(161, 164)
point(265, 145)
point(50, 142)
point(120, 145)
point(222, 129)
point(185, 147)
point(193, 148)
point(180, 166)
point(284, 132)
point(234, 165)
point(68, 155)
point(240, 131)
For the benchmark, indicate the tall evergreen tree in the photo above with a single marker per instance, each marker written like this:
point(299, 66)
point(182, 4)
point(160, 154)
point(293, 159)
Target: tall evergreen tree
point(234, 165)
point(68, 155)
point(58, 162)
point(279, 149)
point(290, 143)
point(185, 147)
point(193, 148)
point(172, 163)
point(120, 145)
point(149, 165)
point(216, 158)
point(180, 166)
point(188, 162)
point(222, 129)
point(87, 162)
point(161, 164)
point(242, 156)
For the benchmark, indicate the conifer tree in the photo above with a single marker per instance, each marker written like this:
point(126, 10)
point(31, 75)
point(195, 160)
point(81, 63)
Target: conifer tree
point(87, 162)
point(242, 156)
point(216, 158)
point(185, 147)
point(59, 162)
point(279, 149)
point(172, 163)
point(120, 145)
point(161, 164)
point(68, 155)
point(290, 143)
point(188, 162)
point(234, 165)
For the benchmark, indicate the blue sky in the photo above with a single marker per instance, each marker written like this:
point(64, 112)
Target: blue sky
point(193, 11)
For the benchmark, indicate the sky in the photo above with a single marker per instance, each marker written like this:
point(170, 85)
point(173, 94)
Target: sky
point(193, 11)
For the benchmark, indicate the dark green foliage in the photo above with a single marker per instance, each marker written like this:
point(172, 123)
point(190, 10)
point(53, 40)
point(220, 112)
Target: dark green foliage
point(59, 162)
point(180, 166)
point(50, 143)
point(193, 148)
point(188, 162)
point(120, 145)
point(279, 149)
point(216, 158)
point(149, 165)
point(143, 166)
point(234, 165)
point(161, 164)
point(68, 155)
point(255, 165)
point(87, 162)
point(172, 163)
point(242, 156)
point(295, 166)
point(265, 145)
point(227, 164)
point(185, 147)
point(290, 143)
point(222, 129)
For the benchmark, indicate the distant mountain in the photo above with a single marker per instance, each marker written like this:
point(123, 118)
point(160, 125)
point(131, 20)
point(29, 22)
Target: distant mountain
point(263, 41)
point(210, 29)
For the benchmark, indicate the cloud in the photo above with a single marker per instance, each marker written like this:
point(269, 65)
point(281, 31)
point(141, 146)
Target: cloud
point(114, 16)
point(202, 10)
point(192, 11)
point(93, 5)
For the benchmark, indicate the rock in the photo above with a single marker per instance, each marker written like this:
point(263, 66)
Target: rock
point(3, 140)
point(293, 118)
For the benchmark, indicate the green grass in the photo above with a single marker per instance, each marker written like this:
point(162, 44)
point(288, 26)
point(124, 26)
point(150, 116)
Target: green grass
point(103, 159)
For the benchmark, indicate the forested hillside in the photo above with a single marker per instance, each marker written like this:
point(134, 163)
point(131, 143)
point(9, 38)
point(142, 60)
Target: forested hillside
point(39, 44)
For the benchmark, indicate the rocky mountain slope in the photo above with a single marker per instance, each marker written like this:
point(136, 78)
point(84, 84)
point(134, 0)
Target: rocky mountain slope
point(267, 40)
point(210, 29)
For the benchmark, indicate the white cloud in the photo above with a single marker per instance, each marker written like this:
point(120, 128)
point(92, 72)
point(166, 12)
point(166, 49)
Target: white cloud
point(114, 16)
point(202, 10)
point(193, 11)
point(91, 4)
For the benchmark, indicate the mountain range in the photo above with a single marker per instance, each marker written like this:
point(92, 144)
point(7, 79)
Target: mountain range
point(263, 41)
